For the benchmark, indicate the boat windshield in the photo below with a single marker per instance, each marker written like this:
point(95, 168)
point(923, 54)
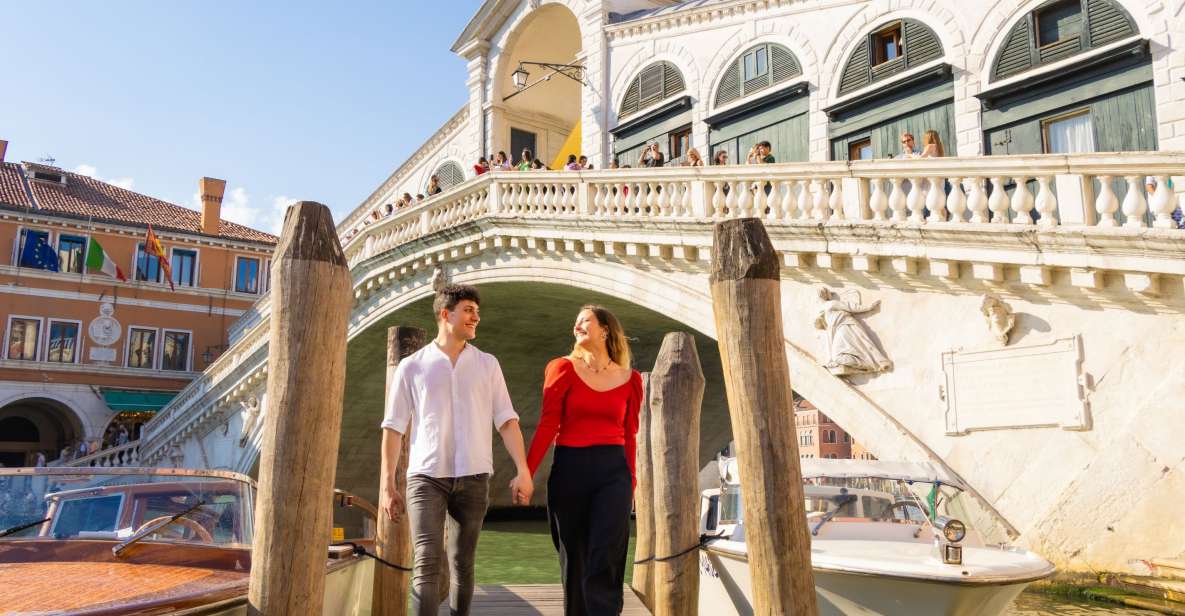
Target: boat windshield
point(115, 503)
point(877, 499)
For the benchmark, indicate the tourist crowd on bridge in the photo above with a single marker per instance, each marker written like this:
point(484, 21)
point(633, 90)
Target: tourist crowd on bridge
point(652, 156)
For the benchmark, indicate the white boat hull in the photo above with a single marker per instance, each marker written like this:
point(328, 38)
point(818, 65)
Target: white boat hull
point(348, 592)
point(725, 586)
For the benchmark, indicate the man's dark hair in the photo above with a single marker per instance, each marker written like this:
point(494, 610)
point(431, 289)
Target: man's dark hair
point(450, 295)
point(765, 144)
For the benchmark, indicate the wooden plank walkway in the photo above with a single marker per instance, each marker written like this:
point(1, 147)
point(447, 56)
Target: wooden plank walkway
point(534, 600)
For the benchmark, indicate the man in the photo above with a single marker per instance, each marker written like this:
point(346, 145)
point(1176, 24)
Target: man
point(449, 394)
point(765, 151)
point(651, 156)
point(908, 147)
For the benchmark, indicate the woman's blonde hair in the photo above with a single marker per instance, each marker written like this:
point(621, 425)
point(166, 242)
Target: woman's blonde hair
point(931, 136)
point(615, 341)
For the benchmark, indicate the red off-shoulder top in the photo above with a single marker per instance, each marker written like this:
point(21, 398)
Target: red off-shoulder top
point(576, 415)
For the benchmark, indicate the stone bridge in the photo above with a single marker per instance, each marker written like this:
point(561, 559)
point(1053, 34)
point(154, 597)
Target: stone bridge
point(1069, 431)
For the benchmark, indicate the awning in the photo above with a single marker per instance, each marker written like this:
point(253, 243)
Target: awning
point(136, 400)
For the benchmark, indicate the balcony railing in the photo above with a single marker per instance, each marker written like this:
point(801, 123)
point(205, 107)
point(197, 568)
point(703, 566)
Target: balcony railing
point(127, 454)
point(1080, 191)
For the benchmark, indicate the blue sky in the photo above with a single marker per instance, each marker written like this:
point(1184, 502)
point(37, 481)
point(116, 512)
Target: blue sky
point(284, 100)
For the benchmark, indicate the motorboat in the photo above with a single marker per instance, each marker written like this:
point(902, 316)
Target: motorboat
point(105, 541)
point(887, 538)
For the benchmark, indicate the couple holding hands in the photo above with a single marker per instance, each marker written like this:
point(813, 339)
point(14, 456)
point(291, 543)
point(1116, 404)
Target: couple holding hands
point(450, 395)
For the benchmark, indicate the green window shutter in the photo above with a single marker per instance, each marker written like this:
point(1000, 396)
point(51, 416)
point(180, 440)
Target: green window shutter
point(730, 86)
point(1061, 49)
point(672, 81)
point(1015, 55)
point(651, 85)
point(449, 174)
point(921, 44)
point(783, 65)
point(856, 72)
point(630, 103)
point(1108, 22)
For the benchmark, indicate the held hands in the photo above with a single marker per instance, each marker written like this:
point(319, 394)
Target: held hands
point(393, 504)
point(522, 487)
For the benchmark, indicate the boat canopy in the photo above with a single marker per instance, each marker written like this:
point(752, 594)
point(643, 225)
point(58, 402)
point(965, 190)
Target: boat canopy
point(812, 468)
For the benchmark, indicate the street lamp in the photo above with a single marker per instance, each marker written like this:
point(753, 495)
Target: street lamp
point(575, 72)
point(519, 76)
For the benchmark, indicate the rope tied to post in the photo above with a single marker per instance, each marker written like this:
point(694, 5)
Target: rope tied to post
point(703, 540)
point(362, 551)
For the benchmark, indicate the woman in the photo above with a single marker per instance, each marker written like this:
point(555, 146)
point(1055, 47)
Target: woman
point(721, 157)
point(590, 410)
point(693, 158)
point(482, 166)
point(537, 165)
point(572, 164)
point(434, 186)
point(932, 145)
point(501, 162)
point(524, 163)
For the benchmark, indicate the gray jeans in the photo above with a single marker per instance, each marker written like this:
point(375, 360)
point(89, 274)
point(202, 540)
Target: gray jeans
point(429, 500)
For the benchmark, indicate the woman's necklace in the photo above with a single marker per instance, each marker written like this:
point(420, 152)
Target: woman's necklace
point(594, 369)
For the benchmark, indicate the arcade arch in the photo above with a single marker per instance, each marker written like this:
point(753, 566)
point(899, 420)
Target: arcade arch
point(32, 425)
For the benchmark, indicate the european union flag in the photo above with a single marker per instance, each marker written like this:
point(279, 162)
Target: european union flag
point(39, 254)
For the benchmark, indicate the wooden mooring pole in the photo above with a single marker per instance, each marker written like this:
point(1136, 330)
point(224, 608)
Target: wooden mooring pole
point(643, 580)
point(311, 300)
point(746, 302)
point(676, 395)
point(393, 538)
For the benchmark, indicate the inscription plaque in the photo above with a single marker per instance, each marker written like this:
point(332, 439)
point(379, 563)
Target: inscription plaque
point(1032, 386)
point(102, 354)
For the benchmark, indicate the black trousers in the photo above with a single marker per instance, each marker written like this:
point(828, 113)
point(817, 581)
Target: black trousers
point(589, 496)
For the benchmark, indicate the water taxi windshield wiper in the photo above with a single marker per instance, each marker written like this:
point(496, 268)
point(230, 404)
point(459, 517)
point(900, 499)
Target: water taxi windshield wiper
point(148, 530)
point(19, 527)
point(840, 501)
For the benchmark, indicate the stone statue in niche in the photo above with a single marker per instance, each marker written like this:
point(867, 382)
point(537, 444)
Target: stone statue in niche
point(440, 278)
point(250, 419)
point(999, 318)
point(850, 348)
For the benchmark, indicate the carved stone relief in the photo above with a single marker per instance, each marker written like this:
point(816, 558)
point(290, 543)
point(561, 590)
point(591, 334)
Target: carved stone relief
point(850, 347)
point(999, 318)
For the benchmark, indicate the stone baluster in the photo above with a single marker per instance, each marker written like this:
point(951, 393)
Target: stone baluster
point(639, 199)
point(685, 199)
point(977, 201)
point(936, 199)
point(915, 201)
point(1134, 205)
point(730, 200)
point(956, 201)
point(1106, 204)
point(1162, 204)
point(897, 200)
point(836, 202)
point(877, 202)
point(651, 206)
point(804, 200)
point(744, 207)
point(760, 201)
point(1046, 202)
point(820, 211)
point(786, 207)
point(1022, 202)
point(598, 200)
point(998, 202)
point(718, 199)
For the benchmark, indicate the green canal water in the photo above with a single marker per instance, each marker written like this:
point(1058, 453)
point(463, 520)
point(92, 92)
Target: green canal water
point(520, 552)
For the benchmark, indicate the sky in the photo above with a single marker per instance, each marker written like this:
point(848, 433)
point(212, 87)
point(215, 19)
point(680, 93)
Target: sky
point(286, 100)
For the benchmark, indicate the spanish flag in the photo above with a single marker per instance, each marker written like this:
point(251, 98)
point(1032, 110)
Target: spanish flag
point(153, 248)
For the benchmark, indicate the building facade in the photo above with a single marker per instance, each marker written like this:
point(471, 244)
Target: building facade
point(820, 437)
point(86, 355)
point(818, 80)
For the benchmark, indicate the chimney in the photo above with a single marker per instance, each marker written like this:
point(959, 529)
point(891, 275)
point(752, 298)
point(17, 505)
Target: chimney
point(212, 190)
point(3, 149)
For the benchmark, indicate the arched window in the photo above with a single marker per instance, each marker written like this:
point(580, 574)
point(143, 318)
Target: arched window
point(758, 68)
point(19, 430)
point(449, 174)
point(829, 436)
point(894, 47)
point(1059, 29)
point(655, 83)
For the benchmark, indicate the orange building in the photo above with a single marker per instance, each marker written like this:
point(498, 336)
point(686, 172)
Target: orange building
point(820, 437)
point(87, 357)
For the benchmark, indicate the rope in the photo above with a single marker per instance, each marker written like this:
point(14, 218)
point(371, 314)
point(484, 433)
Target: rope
point(361, 551)
point(703, 540)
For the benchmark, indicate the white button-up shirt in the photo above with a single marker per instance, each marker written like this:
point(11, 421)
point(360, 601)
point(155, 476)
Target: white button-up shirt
point(451, 409)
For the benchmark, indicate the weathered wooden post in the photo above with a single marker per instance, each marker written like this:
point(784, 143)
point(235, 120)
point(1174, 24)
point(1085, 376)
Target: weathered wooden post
point(643, 581)
point(746, 302)
point(676, 395)
point(306, 377)
point(393, 538)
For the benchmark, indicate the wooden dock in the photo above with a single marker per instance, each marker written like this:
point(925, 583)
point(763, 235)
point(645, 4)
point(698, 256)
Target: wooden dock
point(533, 600)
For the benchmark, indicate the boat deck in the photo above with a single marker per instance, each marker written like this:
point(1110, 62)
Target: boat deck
point(534, 600)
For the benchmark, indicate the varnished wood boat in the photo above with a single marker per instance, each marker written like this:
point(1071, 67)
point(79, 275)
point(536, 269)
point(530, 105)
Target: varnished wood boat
point(144, 541)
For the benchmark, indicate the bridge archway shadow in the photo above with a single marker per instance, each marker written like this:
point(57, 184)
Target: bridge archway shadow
point(524, 325)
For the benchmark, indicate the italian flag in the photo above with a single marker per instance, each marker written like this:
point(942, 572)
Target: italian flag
point(98, 261)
